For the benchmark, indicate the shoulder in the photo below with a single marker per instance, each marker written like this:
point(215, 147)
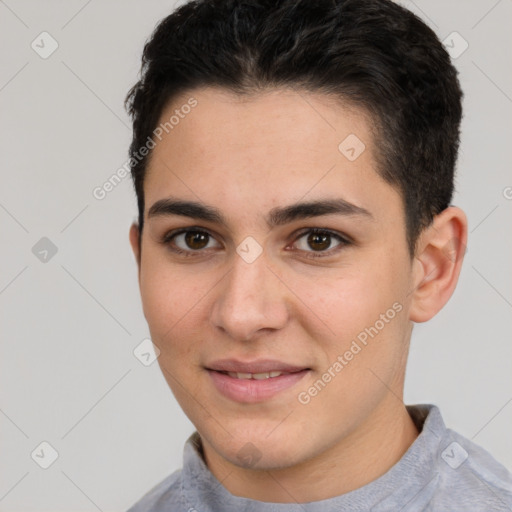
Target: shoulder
point(469, 478)
point(165, 495)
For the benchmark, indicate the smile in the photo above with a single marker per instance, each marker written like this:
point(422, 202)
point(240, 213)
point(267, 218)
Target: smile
point(255, 376)
point(253, 382)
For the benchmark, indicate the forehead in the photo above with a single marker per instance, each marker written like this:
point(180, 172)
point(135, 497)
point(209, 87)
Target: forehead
point(224, 124)
point(265, 149)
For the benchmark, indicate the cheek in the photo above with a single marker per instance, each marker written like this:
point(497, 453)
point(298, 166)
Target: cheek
point(161, 300)
point(350, 301)
point(168, 297)
point(363, 312)
point(172, 305)
point(363, 352)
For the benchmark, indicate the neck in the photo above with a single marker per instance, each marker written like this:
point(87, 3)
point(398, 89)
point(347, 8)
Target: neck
point(354, 461)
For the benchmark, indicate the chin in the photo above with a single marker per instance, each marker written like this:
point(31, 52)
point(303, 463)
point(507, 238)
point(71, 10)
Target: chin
point(254, 448)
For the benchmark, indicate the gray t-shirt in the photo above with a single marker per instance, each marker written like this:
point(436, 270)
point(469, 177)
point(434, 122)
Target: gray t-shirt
point(441, 471)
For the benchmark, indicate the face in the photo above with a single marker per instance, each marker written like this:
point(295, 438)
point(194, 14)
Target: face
point(279, 299)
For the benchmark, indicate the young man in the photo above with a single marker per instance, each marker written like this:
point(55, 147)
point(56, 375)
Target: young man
point(293, 163)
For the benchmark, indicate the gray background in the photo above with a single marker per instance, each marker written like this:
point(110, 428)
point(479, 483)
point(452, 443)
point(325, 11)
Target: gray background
point(68, 375)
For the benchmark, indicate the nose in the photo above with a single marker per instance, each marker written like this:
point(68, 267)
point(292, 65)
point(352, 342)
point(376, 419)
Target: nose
point(251, 299)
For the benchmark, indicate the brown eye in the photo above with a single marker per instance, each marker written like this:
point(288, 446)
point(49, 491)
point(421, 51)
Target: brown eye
point(187, 242)
point(319, 241)
point(316, 242)
point(196, 239)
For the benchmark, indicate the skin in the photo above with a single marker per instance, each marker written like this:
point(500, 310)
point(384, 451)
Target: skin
point(246, 156)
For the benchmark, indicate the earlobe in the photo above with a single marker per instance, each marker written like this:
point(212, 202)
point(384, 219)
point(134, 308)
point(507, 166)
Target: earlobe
point(437, 263)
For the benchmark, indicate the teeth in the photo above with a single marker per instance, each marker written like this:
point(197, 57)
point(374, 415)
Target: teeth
point(261, 376)
point(256, 376)
point(240, 375)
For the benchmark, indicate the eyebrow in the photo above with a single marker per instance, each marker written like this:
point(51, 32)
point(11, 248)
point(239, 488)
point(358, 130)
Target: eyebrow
point(276, 217)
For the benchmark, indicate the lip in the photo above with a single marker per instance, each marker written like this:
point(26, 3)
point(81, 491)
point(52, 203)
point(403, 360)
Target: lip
point(251, 390)
point(257, 366)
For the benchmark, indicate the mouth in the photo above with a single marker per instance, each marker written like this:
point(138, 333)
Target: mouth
point(255, 376)
point(255, 381)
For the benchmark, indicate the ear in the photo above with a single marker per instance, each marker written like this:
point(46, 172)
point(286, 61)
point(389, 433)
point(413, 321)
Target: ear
point(134, 242)
point(437, 263)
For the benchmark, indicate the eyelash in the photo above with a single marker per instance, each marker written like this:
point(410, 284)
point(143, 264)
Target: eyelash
point(344, 241)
